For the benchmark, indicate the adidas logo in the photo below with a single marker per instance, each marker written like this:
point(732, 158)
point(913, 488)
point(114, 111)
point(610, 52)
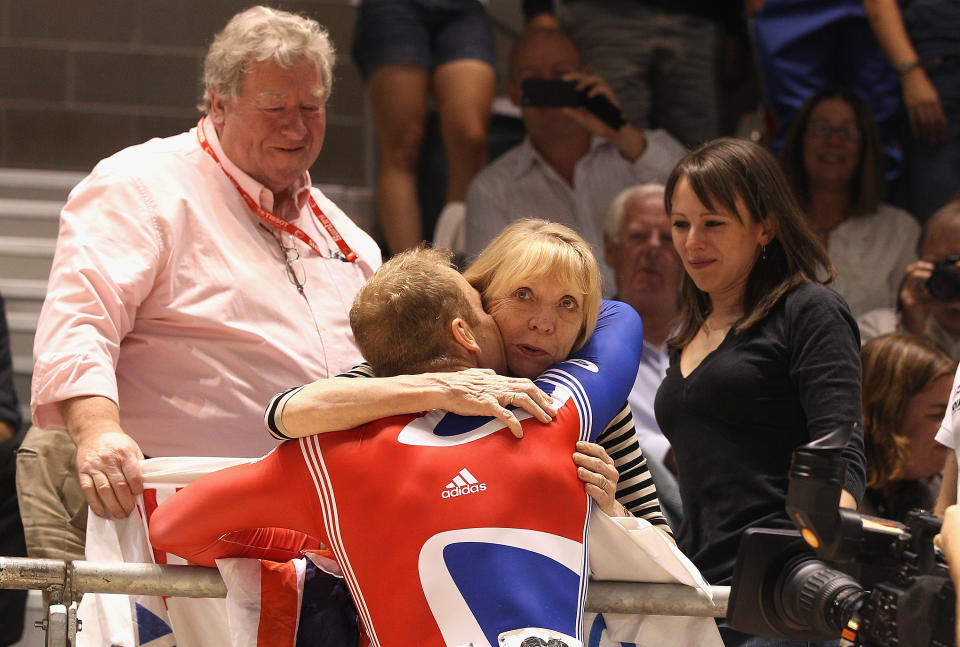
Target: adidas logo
point(462, 484)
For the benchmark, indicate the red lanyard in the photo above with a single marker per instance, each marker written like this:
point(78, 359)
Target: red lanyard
point(277, 222)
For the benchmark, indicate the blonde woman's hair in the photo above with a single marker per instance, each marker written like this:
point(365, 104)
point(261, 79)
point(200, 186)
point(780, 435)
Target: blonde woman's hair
point(263, 34)
point(896, 367)
point(530, 249)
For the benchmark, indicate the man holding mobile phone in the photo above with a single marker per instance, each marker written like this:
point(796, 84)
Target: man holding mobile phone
point(576, 157)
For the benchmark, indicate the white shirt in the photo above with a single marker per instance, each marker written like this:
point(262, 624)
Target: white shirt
point(949, 431)
point(520, 184)
point(871, 254)
point(653, 367)
point(886, 320)
point(168, 297)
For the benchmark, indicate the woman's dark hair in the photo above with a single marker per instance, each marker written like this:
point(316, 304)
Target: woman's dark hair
point(741, 178)
point(866, 186)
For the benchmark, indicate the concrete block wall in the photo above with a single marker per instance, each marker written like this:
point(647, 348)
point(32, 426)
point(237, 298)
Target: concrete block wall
point(81, 79)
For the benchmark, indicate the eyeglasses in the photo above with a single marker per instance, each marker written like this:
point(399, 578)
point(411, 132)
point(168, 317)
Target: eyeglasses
point(296, 272)
point(823, 130)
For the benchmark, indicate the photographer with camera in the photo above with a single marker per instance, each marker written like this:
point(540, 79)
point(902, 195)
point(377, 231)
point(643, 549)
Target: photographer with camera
point(929, 297)
point(578, 153)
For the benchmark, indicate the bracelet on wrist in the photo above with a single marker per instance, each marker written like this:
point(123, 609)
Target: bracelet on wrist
point(906, 67)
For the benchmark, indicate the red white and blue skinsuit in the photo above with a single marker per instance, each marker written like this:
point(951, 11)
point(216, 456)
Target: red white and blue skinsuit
point(449, 529)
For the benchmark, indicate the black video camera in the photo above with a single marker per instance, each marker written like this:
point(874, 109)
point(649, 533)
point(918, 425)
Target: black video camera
point(556, 93)
point(944, 281)
point(789, 584)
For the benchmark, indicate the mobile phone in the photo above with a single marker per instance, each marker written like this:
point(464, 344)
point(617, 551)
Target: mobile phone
point(549, 93)
point(557, 93)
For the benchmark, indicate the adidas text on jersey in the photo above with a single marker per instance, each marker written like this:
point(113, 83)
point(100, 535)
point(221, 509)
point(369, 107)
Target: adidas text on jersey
point(462, 484)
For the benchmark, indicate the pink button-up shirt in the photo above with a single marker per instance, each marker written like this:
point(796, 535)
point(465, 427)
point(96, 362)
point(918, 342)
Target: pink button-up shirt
point(168, 297)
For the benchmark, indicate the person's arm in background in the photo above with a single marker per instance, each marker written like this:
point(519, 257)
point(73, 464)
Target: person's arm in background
point(651, 153)
point(948, 486)
point(914, 299)
point(921, 99)
point(628, 139)
point(9, 412)
point(344, 402)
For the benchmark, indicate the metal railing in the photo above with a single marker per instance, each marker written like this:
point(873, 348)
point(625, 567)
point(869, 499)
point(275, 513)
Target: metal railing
point(65, 582)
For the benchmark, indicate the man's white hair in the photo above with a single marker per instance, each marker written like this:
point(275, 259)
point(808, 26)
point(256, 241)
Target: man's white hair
point(260, 34)
point(616, 210)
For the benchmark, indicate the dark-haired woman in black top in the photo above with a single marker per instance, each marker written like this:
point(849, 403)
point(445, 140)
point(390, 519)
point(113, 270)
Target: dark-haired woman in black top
point(766, 358)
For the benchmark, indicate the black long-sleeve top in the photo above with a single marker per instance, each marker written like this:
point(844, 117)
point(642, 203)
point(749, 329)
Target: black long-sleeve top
point(735, 420)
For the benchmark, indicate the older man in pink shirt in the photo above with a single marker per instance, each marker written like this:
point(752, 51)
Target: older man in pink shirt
point(194, 277)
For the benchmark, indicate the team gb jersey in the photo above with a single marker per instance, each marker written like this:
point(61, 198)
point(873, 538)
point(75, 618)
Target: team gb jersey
point(449, 530)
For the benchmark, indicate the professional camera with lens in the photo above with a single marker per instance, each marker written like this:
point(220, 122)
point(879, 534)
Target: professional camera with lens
point(869, 581)
point(944, 281)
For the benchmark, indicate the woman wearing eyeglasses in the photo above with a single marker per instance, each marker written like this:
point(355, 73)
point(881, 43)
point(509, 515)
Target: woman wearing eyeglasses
point(833, 160)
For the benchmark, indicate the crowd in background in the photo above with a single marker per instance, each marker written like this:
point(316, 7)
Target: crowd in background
point(860, 105)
